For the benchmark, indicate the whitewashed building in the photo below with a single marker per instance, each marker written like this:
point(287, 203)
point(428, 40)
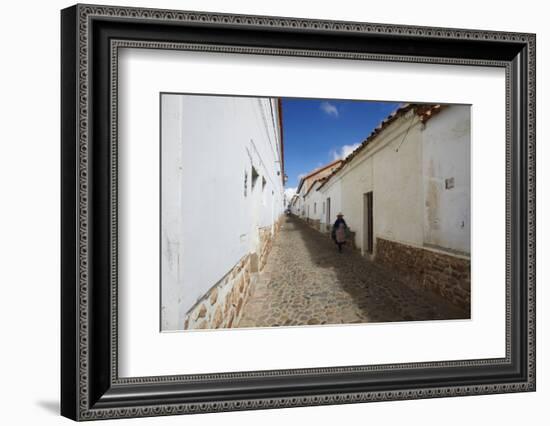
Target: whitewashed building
point(314, 204)
point(405, 192)
point(307, 206)
point(294, 205)
point(332, 197)
point(222, 190)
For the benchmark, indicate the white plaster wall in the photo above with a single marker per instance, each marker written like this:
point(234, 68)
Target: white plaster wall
point(313, 198)
point(391, 168)
point(307, 207)
point(301, 205)
point(172, 255)
point(356, 181)
point(208, 224)
point(332, 190)
point(406, 168)
point(295, 205)
point(446, 154)
point(398, 189)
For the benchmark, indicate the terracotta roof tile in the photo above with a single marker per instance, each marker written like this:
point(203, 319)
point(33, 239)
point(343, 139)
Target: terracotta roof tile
point(313, 184)
point(317, 170)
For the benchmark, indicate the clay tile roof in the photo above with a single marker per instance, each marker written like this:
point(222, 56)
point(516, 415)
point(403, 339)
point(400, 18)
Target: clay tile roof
point(424, 111)
point(315, 171)
point(319, 169)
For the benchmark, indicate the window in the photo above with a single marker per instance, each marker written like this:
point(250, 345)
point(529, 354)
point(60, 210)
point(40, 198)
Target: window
point(264, 182)
point(245, 182)
point(314, 208)
point(255, 176)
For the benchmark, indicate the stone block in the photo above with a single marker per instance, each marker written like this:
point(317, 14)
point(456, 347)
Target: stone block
point(239, 306)
point(213, 296)
point(201, 312)
point(218, 317)
point(445, 274)
point(254, 262)
point(235, 296)
point(201, 325)
point(227, 305)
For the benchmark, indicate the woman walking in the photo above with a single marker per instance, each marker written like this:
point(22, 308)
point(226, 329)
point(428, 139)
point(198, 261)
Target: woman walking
point(339, 229)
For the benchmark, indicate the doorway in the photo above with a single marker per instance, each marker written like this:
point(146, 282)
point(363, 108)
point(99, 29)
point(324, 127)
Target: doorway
point(368, 216)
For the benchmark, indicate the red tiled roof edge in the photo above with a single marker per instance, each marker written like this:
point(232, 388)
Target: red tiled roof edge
point(424, 111)
point(313, 184)
point(314, 172)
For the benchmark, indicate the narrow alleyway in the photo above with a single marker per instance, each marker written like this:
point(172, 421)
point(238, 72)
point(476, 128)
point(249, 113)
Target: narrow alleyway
point(306, 281)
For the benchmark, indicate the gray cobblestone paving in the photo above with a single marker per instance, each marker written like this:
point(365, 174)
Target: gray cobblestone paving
point(307, 282)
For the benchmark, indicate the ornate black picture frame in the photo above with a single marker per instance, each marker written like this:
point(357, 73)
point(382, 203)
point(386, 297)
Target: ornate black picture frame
point(90, 38)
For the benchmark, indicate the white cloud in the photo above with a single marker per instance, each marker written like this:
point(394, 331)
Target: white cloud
point(329, 109)
point(289, 192)
point(343, 151)
point(302, 175)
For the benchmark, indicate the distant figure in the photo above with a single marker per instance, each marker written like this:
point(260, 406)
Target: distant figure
point(339, 231)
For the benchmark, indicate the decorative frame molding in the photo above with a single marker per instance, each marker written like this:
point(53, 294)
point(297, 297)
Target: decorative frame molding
point(91, 37)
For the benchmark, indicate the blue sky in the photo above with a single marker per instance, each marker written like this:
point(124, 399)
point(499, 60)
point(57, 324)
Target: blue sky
point(318, 131)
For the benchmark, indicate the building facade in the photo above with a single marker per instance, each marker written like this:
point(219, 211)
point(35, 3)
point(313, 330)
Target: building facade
point(304, 206)
point(294, 205)
point(405, 192)
point(222, 196)
point(314, 204)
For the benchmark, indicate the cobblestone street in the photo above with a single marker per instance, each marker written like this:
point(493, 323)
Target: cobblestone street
point(306, 281)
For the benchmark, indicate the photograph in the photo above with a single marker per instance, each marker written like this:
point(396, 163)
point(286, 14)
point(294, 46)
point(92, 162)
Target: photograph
point(281, 212)
point(265, 209)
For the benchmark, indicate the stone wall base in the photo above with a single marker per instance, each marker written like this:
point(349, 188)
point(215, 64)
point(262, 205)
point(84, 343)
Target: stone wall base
point(446, 274)
point(266, 243)
point(221, 306)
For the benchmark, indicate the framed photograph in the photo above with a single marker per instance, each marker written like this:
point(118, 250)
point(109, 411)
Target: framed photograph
point(263, 212)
